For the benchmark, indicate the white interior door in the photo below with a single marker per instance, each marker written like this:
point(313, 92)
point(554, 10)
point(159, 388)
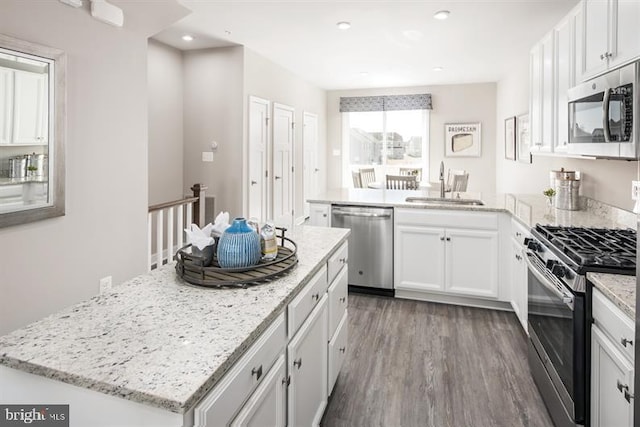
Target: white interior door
point(310, 158)
point(258, 158)
point(283, 139)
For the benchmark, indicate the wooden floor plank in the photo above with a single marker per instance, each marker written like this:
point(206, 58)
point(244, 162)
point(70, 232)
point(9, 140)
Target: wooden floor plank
point(412, 363)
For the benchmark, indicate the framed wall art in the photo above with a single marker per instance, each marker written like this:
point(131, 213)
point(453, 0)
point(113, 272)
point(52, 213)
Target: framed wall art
point(523, 144)
point(510, 138)
point(462, 139)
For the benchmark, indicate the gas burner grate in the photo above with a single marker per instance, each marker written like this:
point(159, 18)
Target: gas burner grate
point(593, 247)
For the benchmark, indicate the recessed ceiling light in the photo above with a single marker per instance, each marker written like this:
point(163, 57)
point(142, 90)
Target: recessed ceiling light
point(441, 14)
point(187, 37)
point(343, 25)
point(437, 69)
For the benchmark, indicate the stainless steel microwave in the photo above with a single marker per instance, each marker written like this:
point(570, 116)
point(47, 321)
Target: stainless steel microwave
point(603, 115)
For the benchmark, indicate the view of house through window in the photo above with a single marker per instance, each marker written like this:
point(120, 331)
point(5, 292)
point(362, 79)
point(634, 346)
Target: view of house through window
point(390, 142)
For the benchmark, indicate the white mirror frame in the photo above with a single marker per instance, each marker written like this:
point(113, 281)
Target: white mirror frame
point(57, 124)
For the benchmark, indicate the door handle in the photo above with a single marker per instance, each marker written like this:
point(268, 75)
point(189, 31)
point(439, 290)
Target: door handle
point(316, 170)
point(297, 363)
point(625, 341)
point(257, 372)
point(448, 239)
point(254, 182)
point(315, 297)
point(277, 177)
point(442, 238)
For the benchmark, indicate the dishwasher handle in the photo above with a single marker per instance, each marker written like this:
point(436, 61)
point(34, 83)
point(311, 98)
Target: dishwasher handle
point(360, 214)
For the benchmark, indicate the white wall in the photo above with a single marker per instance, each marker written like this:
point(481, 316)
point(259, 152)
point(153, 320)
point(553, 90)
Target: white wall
point(213, 110)
point(165, 80)
point(50, 264)
point(268, 80)
point(451, 104)
point(606, 180)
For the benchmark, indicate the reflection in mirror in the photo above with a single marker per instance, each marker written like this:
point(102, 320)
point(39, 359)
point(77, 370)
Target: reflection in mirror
point(31, 132)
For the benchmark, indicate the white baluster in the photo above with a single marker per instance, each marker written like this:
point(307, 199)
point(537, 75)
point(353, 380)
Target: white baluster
point(159, 238)
point(149, 228)
point(180, 226)
point(169, 234)
point(189, 215)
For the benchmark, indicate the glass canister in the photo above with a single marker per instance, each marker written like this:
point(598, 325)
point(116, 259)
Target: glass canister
point(239, 245)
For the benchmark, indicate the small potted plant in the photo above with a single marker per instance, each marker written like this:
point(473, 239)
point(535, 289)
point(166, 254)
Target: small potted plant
point(549, 192)
point(31, 171)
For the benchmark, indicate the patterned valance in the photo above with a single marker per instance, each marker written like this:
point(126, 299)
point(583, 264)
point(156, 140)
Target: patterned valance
point(385, 103)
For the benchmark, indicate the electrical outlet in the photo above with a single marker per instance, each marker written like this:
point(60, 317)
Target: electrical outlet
point(105, 285)
point(635, 190)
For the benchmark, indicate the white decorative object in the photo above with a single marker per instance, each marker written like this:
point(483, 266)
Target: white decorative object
point(462, 139)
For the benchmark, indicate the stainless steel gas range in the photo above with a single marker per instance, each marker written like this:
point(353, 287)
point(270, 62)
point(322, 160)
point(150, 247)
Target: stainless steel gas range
point(559, 303)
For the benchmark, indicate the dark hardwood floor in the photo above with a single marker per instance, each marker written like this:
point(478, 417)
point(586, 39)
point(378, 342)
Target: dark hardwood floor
point(413, 363)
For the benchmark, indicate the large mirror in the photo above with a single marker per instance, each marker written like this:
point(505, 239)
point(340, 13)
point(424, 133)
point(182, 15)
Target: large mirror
point(32, 122)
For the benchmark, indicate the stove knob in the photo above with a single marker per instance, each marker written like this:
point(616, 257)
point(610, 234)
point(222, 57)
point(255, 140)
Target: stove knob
point(534, 246)
point(551, 263)
point(558, 271)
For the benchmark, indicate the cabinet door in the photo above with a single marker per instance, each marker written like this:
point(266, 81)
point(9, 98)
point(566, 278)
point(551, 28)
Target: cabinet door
point(518, 277)
point(6, 105)
point(564, 80)
point(535, 96)
point(268, 404)
point(30, 98)
point(307, 365)
point(625, 39)
point(310, 158)
point(596, 37)
point(472, 262)
point(419, 258)
point(320, 215)
point(548, 94)
point(611, 377)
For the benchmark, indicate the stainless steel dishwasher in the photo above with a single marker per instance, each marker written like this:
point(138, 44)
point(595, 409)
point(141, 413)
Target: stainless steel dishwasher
point(370, 246)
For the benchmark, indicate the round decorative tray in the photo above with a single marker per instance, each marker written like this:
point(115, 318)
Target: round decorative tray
point(191, 267)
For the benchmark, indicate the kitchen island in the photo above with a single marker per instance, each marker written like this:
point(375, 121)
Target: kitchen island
point(154, 340)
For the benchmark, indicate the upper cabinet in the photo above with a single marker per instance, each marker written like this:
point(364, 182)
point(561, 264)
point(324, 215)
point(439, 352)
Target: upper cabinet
point(610, 35)
point(542, 95)
point(23, 107)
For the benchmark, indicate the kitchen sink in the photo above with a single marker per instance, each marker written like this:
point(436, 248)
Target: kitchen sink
point(445, 201)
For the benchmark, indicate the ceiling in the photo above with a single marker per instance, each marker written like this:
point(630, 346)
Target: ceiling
point(396, 43)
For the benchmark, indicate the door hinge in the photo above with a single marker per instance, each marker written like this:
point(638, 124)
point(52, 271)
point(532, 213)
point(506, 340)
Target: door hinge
point(293, 124)
point(266, 174)
point(286, 381)
point(266, 121)
point(292, 169)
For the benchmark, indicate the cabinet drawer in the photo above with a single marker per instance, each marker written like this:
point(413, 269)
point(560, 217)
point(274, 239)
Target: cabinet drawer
point(338, 260)
point(519, 232)
point(221, 404)
point(338, 350)
point(337, 300)
point(447, 218)
point(304, 302)
point(614, 323)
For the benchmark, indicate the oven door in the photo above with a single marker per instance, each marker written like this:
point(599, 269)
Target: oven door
point(556, 329)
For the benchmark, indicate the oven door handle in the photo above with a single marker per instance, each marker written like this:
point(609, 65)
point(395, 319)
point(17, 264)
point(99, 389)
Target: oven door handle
point(567, 297)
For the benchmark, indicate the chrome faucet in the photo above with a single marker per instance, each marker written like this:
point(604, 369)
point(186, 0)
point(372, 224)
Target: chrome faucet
point(442, 180)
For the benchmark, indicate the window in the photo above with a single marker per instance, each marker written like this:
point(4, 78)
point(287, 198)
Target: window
point(385, 140)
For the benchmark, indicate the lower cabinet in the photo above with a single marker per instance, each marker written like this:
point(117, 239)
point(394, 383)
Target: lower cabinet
point(268, 404)
point(320, 214)
point(518, 271)
point(307, 364)
point(453, 253)
point(611, 384)
point(612, 370)
point(338, 351)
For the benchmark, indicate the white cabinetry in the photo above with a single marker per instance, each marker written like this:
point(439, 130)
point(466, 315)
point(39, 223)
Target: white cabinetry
point(307, 356)
point(518, 272)
point(6, 105)
point(446, 252)
point(320, 214)
point(542, 95)
point(612, 370)
point(610, 35)
point(221, 405)
point(30, 100)
point(268, 404)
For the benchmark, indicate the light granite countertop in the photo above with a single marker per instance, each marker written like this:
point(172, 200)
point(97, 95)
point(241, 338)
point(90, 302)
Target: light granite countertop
point(157, 340)
point(529, 209)
point(618, 288)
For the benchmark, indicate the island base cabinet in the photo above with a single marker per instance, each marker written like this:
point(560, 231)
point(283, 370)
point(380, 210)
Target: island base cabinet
point(611, 384)
point(307, 365)
point(338, 351)
point(268, 404)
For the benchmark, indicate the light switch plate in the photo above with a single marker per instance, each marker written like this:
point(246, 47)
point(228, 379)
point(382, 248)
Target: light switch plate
point(635, 190)
point(207, 156)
